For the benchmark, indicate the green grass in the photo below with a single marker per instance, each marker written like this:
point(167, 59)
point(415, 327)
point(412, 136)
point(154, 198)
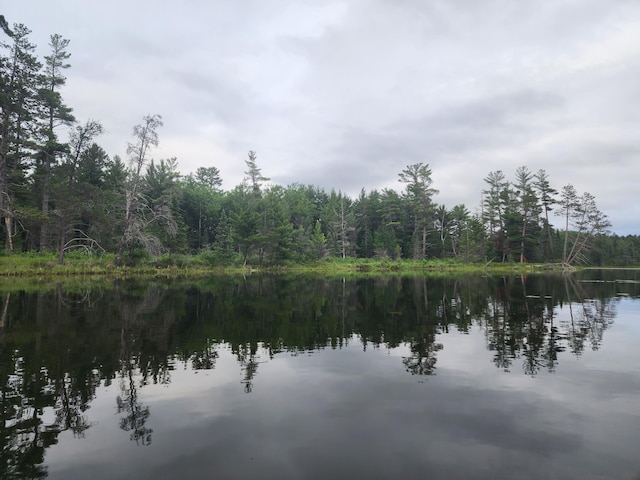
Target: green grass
point(432, 267)
point(45, 266)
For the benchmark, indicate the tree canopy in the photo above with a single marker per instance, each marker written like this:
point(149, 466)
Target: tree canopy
point(59, 195)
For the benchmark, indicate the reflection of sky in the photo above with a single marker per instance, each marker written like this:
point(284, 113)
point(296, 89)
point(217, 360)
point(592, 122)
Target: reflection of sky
point(350, 413)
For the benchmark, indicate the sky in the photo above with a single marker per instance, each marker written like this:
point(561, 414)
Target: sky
point(345, 94)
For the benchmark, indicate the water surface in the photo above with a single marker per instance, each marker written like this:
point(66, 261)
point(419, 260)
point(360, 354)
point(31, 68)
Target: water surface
point(281, 377)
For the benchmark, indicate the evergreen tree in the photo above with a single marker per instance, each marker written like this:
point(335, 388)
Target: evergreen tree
point(223, 245)
point(458, 229)
point(367, 212)
point(340, 229)
point(419, 194)
point(254, 174)
point(275, 232)
point(161, 196)
point(75, 190)
point(546, 194)
point(19, 75)
point(55, 113)
point(529, 209)
point(493, 210)
point(200, 207)
point(318, 242)
point(395, 229)
point(589, 222)
point(210, 177)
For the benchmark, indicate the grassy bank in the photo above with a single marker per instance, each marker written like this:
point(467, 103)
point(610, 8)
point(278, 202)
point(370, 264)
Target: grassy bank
point(43, 265)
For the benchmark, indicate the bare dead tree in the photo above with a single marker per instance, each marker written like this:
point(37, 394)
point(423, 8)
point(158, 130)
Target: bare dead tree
point(139, 215)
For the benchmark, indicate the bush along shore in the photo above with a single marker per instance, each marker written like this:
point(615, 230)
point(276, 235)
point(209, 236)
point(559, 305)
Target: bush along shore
point(45, 265)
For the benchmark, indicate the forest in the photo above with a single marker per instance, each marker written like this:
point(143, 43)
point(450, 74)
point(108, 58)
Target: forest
point(60, 191)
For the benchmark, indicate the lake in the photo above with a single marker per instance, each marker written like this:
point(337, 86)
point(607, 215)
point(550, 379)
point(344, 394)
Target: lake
point(283, 377)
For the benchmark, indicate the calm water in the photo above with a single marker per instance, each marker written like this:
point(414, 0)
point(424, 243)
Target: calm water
point(294, 378)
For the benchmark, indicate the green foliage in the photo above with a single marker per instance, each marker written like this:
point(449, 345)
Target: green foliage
point(253, 174)
point(73, 196)
point(209, 177)
point(419, 194)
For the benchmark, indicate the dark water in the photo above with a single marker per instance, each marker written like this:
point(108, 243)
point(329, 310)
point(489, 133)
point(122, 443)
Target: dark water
point(467, 378)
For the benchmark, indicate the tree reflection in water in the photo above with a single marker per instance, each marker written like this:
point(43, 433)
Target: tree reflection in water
point(57, 347)
point(248, 359)
point(136, 413)
point(133, 331)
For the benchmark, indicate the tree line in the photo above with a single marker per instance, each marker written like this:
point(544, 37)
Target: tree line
point(61, 196)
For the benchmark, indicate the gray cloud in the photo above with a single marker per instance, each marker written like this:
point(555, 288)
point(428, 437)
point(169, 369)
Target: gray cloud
point(345, 95)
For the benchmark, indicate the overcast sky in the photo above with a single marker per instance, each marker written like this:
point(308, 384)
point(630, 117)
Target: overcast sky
point(345, 94)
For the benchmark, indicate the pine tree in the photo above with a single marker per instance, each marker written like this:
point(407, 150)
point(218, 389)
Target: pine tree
point(19, 74)
point(254, 174)
point(419, 193)
point(55, 113)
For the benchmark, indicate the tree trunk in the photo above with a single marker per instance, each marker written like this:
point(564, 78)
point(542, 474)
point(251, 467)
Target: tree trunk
point(8, 223)
point(61, 248)
point(44, 230)
point(523, 233)
point(424, 242)
point(546, 216)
